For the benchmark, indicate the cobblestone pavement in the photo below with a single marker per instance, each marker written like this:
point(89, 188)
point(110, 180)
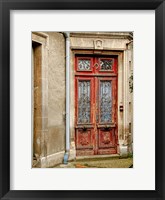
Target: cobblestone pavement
point(100, 163)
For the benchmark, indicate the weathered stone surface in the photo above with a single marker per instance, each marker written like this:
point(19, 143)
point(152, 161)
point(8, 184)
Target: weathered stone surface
point(56, 93)
point(89, 43)
point(52, 160)
point(55, 139)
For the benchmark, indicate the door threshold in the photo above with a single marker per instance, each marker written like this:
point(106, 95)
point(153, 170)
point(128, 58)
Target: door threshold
point(98, 157)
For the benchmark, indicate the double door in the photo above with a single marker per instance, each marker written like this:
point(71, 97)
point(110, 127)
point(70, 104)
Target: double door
point(95, 105)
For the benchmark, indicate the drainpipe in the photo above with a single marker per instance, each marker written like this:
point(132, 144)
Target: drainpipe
point(67, 53)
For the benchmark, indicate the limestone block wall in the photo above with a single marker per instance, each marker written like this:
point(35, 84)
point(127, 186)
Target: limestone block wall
point(130, 100)
point(56, 93)
point(52, 98)
point(56, 98)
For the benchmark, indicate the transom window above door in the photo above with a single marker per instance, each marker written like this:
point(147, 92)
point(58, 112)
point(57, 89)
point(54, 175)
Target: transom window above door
point(101, 65)
point(84, 64)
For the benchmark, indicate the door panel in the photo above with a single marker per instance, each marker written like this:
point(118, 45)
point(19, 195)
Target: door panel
point(106, 138)
point(84, 115)
point(106, 125)
point(96, 106)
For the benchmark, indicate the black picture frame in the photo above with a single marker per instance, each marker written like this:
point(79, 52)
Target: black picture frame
point(5, 7)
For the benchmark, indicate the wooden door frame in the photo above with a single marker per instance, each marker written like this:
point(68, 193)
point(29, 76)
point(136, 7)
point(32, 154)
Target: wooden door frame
point(120, 116)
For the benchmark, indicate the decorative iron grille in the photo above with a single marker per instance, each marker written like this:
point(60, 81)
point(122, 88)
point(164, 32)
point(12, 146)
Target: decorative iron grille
point(84, 64)
point(105, 101)
point(106, 64)
point(83, 101)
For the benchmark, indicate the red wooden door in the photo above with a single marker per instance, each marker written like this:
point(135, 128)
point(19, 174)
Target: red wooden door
point(96, 105)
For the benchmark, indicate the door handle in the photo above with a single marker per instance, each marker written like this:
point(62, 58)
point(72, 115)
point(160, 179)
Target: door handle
point(84, 128)
point(107, 127)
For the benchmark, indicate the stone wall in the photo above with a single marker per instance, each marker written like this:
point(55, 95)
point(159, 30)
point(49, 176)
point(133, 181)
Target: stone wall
point(54, 138)
point(56, 93)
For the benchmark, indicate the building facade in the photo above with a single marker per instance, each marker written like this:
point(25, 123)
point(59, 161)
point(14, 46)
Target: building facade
point(82, 95)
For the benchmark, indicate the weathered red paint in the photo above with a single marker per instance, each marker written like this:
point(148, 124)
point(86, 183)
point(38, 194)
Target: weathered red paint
point(95, 137)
